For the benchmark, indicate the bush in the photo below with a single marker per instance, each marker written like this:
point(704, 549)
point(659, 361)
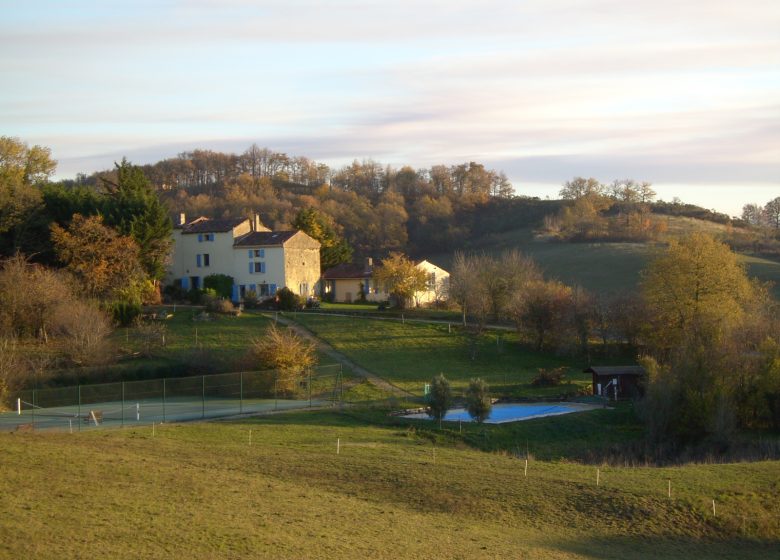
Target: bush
point(440, 398)
point(195, 296)
point(289, 301)
point(478, 401)
point(287, 354)
point(549, 377)
point(85, 330)
point(220, 306)
point(250, 299)
point(222, 284)
point(125, 313)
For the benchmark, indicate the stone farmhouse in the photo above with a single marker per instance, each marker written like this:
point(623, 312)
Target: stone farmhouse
point(257, 258)
point(354, 282)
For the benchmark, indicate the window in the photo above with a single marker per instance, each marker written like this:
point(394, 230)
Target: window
point(259, 253)
point(257, 268)
point(264, 291)
point(205, 237)
point(202, 260)
point(206, 259)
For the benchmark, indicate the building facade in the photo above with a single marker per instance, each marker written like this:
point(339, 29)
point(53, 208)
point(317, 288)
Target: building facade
point(257, 259)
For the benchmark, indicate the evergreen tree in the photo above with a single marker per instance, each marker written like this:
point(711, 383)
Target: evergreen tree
point(334, 249)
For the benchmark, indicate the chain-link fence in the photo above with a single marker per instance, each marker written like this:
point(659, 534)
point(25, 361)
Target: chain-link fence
point(172, 399)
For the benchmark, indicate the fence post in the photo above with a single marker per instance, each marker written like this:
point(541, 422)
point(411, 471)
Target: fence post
point(79, 418)
point(33, 408)
point(163, 395)
point(241, 392)
point(123, 404)
point(203, 396)
point(276, 397)
point(309, 387)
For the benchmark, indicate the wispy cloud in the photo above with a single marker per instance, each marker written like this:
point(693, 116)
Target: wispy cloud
point(666, 90)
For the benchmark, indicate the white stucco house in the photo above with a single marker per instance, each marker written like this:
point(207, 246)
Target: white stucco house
point(257, 258)
point(354, 282)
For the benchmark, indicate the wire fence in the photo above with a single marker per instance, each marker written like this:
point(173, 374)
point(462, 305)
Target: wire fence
point(176, 399)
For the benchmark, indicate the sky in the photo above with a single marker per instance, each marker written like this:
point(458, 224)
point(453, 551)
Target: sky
point(682, 93)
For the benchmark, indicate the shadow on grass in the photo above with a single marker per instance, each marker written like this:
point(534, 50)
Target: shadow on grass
point(663, 547)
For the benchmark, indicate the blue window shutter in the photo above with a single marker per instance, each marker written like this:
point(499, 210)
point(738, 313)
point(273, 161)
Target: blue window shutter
point(235, 293)
point(262, 253)
point(262, 267)
point(253, 287)
point(185, 283)
point(199, 261)
point(200, 238)
point(251, 267)
point(273, 289)
point(250, 253)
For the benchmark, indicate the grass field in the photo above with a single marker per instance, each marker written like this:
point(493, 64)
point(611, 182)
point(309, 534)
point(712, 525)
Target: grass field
point(600, 267)
point(201, 491)
point(410, 354)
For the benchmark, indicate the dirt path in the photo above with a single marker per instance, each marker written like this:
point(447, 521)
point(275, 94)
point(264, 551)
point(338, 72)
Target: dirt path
point(331, 352)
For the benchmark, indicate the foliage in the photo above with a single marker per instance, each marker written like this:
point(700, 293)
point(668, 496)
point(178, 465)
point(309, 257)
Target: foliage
point(250, 299)
point(543, 310)
point(220, 305)
point(85, 330)
point(334, 249)
point(288, 300)
point(125, 312)
point(22, 170)
point(401, 278)
point(440, 398)
point(135, 210)
point(696, 287)
point(478, 403)
point(105, 263)
point(222, 284)
point(549, 377)
point(287, 354)
point(713, 337)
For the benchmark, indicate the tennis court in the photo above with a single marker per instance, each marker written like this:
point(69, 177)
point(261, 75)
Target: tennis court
point(85, 407)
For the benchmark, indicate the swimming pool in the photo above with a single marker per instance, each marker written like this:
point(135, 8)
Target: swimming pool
point(512, 412)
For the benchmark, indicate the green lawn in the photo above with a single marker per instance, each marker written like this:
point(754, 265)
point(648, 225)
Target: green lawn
point(600, 267)
point(410, 354)
point(201, 491)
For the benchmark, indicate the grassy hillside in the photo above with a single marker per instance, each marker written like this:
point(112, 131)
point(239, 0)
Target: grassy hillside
point(410, 355)
point(602, 267)
point(201, 491)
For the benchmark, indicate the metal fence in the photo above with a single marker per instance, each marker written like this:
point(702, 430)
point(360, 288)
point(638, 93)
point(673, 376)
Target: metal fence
point(176, 399)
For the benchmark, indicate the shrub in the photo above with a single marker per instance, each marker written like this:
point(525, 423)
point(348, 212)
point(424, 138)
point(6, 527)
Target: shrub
point(125, 313)
point(220, 306)
point(195, 296)
point(287, 354)
point(289, 301)
point(549, 377)
point(440, 398)
point(250, 299)
point(478, 401)
point(222, 284)
point(85, 330)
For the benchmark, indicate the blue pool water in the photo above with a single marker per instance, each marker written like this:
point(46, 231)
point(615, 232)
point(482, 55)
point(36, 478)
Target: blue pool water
point(511, 412)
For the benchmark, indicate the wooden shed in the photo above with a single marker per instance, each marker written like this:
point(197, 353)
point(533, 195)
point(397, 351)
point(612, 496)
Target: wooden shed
point(617, 382)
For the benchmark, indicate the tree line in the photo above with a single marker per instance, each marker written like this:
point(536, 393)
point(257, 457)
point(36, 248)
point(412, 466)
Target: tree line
point(708, 335)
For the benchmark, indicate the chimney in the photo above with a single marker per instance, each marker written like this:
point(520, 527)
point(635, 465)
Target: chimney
point(258, 225)
point(182, 219)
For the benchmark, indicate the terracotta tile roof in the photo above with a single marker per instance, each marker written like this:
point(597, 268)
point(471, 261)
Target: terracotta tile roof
point(206, 225)
point(263, 238)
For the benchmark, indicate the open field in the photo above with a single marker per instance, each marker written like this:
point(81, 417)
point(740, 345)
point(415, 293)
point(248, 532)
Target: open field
point(600, 267)
point(409, 355)
point(201, 491)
